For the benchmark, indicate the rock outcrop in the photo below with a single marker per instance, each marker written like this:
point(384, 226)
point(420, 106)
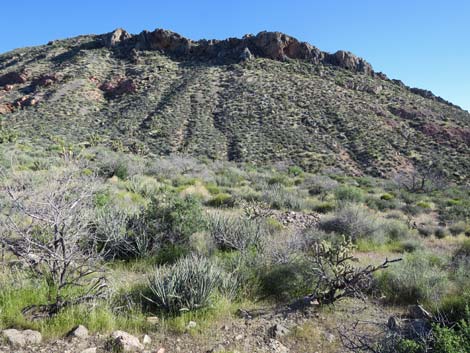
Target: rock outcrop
point(13, 78)
point(271, 45)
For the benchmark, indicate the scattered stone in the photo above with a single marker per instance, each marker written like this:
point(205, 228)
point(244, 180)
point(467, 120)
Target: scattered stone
point(278, 330)
point(154, 320)
point(161, 350)
point(277, 347)
point(125, 342)
point(45, 80)
point(78, 332)
point(238, 337)
point(18, 338)
point(191, 324)
point(146, 340)
point(90, 350)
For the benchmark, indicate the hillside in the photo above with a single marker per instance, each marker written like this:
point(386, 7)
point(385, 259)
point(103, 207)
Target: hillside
point(262, 98)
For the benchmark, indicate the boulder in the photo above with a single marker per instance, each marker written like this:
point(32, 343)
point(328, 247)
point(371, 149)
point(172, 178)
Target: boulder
point(80, 332)
point(277, 347)
point(24, 338)
point(116, 37)
point(164, 40)
point(124, 342)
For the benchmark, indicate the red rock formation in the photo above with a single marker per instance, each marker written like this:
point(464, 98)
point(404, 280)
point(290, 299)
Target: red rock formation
point(13, 78)
point(45, 80)
point(6, 108)
point(118, 87)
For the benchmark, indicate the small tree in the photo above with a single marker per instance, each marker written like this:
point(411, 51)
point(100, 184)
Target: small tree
point(47, 226)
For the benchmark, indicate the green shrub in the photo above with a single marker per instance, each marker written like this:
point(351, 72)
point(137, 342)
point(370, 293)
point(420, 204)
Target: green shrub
point(221, 200)
point(295, 171)
point(188, 284)
point(324, 207)
point(387, 197)
point(453, 307)
point(395, 230)
point(349, 194)
point(452, 339)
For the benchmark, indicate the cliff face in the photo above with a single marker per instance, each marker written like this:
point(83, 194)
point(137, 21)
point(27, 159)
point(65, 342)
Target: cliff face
point(261, 98)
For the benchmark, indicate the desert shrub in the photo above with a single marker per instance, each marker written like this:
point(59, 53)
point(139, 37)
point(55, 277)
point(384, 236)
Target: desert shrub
point(323, 207)
point(176, 217)
point(453, 307)
point(394, 229)
point(462, 252)
point(107, 164)
point(280, 197)
point(349, 194)
point(230, 177)
point(236, 232)
point(285, 282)
point(426, 230)
point(221, 200)
point(441, 232)
point(411, 245)
point(320, 185)
point(420, 278)
point(352, 220)
point(381, 204)
point(457, 228)
point(188, 284)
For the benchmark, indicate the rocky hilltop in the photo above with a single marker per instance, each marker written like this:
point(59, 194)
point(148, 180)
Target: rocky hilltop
point(261, 98)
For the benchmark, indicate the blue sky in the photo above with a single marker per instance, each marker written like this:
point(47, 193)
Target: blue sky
point(424, 43)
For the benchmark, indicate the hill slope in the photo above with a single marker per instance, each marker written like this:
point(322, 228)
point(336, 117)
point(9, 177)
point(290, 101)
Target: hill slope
point(261, 98)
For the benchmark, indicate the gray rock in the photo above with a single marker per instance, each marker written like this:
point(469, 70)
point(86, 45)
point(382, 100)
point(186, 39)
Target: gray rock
point(125, 342)
point(146, 340)
point(21, 338)
point(78, 332)
point(246, 55)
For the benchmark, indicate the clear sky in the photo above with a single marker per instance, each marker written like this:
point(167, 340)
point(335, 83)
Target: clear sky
point(424, 43)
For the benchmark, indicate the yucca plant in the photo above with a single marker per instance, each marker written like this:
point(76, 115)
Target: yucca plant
point(186, 285)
